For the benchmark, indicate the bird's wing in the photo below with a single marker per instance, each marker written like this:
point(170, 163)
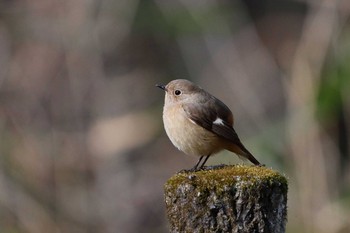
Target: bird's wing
point(214, 116)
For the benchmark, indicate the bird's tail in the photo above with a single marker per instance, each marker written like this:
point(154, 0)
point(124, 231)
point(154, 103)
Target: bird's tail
point(240, 150)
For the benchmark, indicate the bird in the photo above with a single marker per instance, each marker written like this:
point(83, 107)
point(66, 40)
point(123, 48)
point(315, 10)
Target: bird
point(199, 124)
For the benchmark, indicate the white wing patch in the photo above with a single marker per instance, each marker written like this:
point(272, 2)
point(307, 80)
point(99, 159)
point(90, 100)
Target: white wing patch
point(192, 121)
point(218, 121)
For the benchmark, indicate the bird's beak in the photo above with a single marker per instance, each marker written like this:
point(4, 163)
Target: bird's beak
point(161, 87)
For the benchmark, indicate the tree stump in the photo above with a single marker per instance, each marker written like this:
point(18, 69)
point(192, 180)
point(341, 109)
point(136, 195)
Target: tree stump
point(227, 199)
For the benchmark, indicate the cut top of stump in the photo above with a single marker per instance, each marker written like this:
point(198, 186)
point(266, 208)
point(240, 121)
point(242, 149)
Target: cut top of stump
point(222, 177)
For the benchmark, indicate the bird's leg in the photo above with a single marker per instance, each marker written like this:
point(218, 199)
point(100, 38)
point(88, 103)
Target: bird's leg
point(205, 160)
point(196, 166)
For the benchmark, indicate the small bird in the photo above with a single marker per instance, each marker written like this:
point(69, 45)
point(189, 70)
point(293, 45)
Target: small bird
point(199, 124)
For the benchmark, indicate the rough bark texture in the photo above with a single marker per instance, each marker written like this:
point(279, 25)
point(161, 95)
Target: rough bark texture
point(227, 199)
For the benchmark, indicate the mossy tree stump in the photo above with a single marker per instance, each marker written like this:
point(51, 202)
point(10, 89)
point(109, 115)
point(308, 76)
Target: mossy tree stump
point(227, 199)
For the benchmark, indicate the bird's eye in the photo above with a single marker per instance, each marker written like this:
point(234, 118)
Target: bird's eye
point(177, 92)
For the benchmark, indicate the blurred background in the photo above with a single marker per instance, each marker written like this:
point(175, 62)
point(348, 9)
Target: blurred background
point(82, 145)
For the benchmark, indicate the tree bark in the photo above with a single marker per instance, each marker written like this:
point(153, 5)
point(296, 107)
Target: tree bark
point(227, 199)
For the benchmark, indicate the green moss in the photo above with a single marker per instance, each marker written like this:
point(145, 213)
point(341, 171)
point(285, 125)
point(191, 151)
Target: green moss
point(223, 177)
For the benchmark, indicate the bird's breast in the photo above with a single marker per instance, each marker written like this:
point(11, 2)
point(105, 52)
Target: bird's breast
point(186, 135)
